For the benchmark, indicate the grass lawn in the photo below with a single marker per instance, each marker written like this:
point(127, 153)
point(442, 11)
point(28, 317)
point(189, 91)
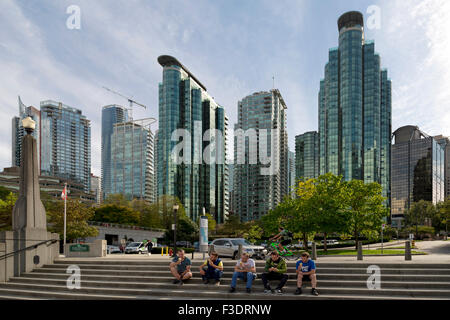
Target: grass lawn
point(365, 252)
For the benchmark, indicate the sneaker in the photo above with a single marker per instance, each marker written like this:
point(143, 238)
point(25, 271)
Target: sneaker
point(278, 291)
point(298, 291)
point(176, 281)
point(314, 292)
point(267, 290)
point(181, 282)
point(249, 290)
point(232, 290)
point(205, 281)
point(217, 283)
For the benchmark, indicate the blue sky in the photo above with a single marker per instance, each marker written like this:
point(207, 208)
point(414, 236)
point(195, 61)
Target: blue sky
point(233, 47)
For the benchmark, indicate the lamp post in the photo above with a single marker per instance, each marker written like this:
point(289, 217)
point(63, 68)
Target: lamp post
point(29, 125)
point(175, 209)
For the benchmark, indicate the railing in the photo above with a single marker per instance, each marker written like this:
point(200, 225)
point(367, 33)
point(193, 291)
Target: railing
point(34, 246)
point(123, 226)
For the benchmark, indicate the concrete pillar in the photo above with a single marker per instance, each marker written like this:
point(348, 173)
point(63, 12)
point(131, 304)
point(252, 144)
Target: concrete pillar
point(360, 252)
point(408, 255)
point(240, 250)
point(314, 251)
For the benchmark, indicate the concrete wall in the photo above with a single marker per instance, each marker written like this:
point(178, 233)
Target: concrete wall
point(97, 248)
point(22, 262)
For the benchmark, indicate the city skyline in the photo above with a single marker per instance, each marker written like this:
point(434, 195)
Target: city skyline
point(296, 62)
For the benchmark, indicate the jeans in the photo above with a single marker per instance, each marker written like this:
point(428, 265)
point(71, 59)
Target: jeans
point(246, 276)
point(274, 276)
point(212, 274)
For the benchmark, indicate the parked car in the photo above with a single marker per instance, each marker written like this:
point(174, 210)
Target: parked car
point(113, 249)
point(228, 247)
point(299, 245)
point(136, 247)
point(330, 242)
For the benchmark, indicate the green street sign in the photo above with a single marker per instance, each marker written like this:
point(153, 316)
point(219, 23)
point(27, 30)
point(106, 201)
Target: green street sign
point(79, 248)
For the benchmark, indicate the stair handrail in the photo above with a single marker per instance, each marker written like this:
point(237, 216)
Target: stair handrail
point(34, 246)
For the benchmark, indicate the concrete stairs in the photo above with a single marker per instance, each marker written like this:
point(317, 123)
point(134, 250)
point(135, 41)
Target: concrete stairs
point(151, 279)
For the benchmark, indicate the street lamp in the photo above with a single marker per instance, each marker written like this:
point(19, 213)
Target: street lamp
point(29, 125)
point(175, 209)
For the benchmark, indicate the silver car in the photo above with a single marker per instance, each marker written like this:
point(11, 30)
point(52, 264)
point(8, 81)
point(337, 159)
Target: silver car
point(229, 247)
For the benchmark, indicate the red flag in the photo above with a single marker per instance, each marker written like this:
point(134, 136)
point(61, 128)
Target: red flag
point(64, 194)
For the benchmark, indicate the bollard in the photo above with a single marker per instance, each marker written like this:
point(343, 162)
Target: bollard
point(167, 250)
point(314, 251)
point(162, 251)
point(193, 255)
point(239, 251)
point(408, 250)
point(360, 252)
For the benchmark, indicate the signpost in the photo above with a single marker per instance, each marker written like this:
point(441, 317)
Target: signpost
point(382, 228)
point(203, 243)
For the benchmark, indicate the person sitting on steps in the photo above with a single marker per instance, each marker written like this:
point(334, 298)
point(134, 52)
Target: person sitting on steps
point(306, 271)
point(276, 269)
point(212, 268)
point(245, 269)
point(181, 267)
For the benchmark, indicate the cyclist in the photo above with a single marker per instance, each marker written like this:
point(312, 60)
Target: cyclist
point(284, 238)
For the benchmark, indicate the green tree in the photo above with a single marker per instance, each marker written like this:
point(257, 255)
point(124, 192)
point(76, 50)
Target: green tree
point(114, 213)
point(328, 204)
point(4, 193)
point(418, 214)
point(117, 199)
point(254, 233)
point(232, 227)
point(6, 209)
point(365, 208)
point(78, 215)
point(442, 217)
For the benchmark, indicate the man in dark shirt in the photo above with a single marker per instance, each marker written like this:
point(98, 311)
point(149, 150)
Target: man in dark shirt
point(181, 267)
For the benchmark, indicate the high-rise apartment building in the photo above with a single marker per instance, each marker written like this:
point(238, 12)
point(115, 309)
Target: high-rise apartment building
point(418, 163)
point(355, 109)
point(291, 176)
point(185, 104)
point(18, 132)
point(111, 114)
point(65, 143)
point(132, 161)
point(96, 188)
point(261, 177)
point(307, 155)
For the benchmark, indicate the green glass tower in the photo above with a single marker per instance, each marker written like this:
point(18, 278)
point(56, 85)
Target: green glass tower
point(184, 103)
point(307, 155)
point(257, 193)
point(355, 109)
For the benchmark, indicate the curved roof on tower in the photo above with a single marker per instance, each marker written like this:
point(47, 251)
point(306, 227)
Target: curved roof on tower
point(350, 19)
point(167, 61)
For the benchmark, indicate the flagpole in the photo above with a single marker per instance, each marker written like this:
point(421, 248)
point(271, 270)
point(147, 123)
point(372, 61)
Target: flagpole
point(65, 208)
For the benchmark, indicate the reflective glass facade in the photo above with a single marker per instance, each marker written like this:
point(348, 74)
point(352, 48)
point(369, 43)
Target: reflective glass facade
point(307, 155)
point(132, 162)
point(65, 143)
point(355, 109)
point(445, 143)
point(418, 163)
point(185, 104)
point(256, 194)
point(18, 132)
point(111, 115)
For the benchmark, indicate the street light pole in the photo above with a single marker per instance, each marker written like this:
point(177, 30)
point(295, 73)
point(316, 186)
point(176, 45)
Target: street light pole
point(175, 209)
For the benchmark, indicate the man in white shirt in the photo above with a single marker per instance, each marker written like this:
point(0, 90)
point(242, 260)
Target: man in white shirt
point(245, 269)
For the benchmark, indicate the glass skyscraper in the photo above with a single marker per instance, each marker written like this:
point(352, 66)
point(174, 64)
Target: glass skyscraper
point(307, 155)
point(18, 132)
point(355, 109)
point(184, 103)
point(257, 193)
point(418, 163)
point(132, 161)
point(65, 143)
point(111, 115)
point(292, 179)
point(445, 143)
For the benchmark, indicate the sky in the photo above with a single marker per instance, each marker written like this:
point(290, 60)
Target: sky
point(233, 47)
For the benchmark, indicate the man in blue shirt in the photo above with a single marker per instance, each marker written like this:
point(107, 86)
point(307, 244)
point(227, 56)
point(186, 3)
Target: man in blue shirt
point(306, 271)
point(181, 267)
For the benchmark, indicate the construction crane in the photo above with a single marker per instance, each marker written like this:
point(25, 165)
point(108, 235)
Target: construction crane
point(130, 101)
